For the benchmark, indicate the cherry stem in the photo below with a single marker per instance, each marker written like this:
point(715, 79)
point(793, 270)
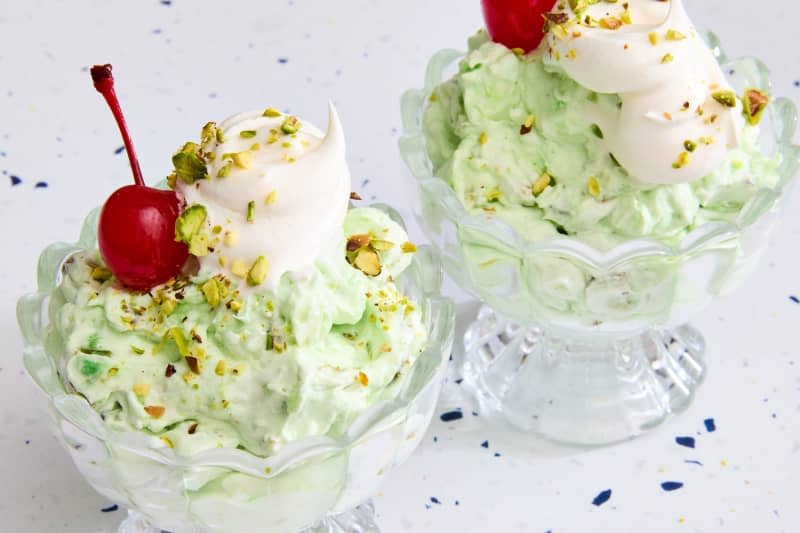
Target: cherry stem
point(104, 83)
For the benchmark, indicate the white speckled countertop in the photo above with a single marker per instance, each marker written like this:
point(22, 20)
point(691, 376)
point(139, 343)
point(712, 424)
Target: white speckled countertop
point(180, 63)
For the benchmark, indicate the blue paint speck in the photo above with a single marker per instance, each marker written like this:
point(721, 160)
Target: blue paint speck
point(427, 506)
point(669, 486)
point(485, 444)
point(166, 2)
point(435, 500)
point(602, 498)
point(435, 438)
point(110, 508)
point(119, 150)
point(459, 381)
point(685, 441)
point(364, 183)
point(15, 180)
point(283, 60)
point(797, 83)
point(711, 426)
point(27, 442)
point(41, 185)
point(450, 416)
point(795, 299)
point(497, 454)
point(693, 462)
point(458, 503)
point(157, 31)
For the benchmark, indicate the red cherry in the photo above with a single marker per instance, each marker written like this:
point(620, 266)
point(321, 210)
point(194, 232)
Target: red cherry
point(516, 23)
point(136, 230)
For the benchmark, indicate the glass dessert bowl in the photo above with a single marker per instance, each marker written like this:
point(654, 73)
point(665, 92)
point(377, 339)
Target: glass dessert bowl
point(580, 343)
point(318, 483)
point(240, 349)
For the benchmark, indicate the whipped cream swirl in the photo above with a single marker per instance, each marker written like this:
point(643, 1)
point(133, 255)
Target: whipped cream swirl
point(276, 194)
point(679, 116)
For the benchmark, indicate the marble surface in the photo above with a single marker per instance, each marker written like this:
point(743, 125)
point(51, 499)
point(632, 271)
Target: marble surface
point(180, 63)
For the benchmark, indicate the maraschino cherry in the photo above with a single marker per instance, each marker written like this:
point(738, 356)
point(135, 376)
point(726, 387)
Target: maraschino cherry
point(516, 23)
point(136, 230)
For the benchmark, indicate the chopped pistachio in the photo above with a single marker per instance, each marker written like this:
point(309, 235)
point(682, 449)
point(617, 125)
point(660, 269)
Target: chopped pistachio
point(189, 166)
point(251, 211)
point(168, 306)
point(572, 54)
point(483, 138)
point(368, 262)
point(668, 58)
point(239, 268)
point(270, 344)
point(208, 133)
point(216, 230)
point(141, 389)
point(610, 23)
point(356, 242)
point(95, 351)
point(653, 37)
point(674, 35)
point(271, 112)
point(518, 51)
point(113, 371)
point(220, 368)
point(234, 305)
point(137, 350)
point(594, 186)
point(166, 440)
point(255, 147)
point(754, 102)
point(198, 246)
point(220, 135)
point(494, 195)
point(408, 248)
point(541, 184)
point(271, 197)
point(247, 134)
point(211, 292)
point(556, 17)
point(242, 160)
point(155, 411)
point(193, 364)
point(527, 126)
point(706, 140)
point(291, 125)
point(230, 238)
point(101, 274)
point(726, 98)
point(682, 161)
point(626, 17)
point(189, 222)
point(258, 272)
point(597, 131)
point(690, 145)
point(381, 246)
point(225, 170)
point(172, 180)
point(176, 334)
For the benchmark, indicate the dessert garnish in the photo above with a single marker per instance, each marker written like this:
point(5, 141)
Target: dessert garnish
point(136, 229)
point(518, 24)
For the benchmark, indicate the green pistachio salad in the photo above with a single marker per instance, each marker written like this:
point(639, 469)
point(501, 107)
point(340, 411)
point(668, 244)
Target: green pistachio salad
point(289, 322)
point(621, 125)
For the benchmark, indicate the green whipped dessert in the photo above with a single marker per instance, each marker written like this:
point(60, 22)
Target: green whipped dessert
point(269, 335)
point(518, 138)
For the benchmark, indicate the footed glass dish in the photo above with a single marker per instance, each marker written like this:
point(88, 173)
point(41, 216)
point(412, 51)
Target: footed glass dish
point(582, 346)
point(321, 484)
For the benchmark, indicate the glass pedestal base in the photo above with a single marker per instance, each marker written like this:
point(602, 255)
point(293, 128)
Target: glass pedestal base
point(585, 390)
point(358, 520)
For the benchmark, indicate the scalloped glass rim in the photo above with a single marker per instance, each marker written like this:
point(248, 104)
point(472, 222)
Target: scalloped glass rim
point(424, 276)
point(782, 114)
